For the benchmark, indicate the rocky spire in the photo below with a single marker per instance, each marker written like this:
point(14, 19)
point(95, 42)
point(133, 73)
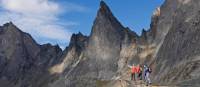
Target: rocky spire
point(78, 40)
point(104, 9)
point(105, 21)
point(105, 42)
point(154, 22)
point(10, 27)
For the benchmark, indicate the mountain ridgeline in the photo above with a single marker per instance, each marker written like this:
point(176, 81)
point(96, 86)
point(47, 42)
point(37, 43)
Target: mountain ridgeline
point(171, 47)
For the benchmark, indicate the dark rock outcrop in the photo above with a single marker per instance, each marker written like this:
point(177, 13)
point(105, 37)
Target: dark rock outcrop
point(23, 62)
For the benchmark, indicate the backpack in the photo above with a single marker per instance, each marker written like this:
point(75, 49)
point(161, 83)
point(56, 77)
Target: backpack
point(149, 70)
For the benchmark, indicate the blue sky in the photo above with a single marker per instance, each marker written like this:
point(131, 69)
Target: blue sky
point(53, 21)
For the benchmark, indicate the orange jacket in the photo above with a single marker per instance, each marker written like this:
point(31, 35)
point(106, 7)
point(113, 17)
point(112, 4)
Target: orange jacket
point(137, 69)
point(133, 69)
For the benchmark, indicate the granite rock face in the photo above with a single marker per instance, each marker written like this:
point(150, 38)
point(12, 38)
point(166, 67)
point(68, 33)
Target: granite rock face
point(177, 61)
point(108, 38)
point(24, 63)
point(99, 56)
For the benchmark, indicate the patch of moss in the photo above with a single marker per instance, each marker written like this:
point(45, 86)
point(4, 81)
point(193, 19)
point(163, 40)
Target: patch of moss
point(101, 83)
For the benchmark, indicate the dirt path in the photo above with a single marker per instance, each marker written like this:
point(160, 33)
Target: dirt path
point(126, 83)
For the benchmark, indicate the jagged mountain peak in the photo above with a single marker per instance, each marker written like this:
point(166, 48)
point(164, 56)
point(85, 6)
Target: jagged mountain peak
point(104, 9)
point(77, 36)
point(78, 40)
point(105, 14)
point(157, 12)
point(21, 57)
point(105, 22)
point(8, 24)
point(11, 28)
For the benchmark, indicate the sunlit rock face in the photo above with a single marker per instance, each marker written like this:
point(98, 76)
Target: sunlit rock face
point(177, 60)
point(100, 56)
point(107, 39)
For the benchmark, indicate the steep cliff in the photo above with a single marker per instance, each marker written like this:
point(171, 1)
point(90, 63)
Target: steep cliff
point(22, 61)
point(177, 61)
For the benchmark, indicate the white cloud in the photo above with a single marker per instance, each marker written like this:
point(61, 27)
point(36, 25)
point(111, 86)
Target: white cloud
point(39, 18)
point(31, 6)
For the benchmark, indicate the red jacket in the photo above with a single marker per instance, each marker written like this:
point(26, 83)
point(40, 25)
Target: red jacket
point(137, 69)
point(133, 69)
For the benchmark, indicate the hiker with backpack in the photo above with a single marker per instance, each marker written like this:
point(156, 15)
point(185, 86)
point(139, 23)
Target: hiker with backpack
point(140, 72)
point(147, 72)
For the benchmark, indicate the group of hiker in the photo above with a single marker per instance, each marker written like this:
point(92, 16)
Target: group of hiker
point(139, 72)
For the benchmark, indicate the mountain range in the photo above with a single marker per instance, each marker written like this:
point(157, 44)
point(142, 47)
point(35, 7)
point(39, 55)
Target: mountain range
point(171, 47)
